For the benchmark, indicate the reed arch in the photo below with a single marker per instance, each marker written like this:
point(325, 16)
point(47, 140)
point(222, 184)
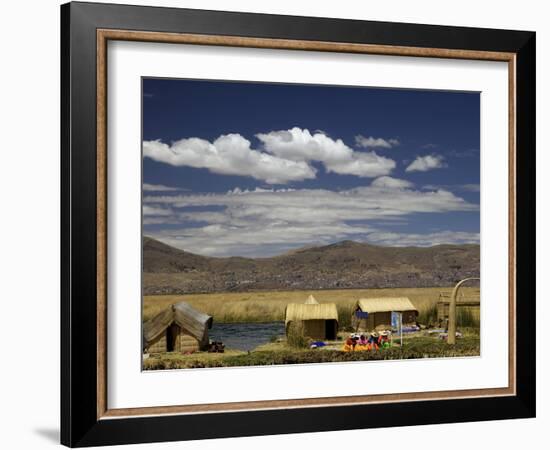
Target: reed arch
point(451, 336)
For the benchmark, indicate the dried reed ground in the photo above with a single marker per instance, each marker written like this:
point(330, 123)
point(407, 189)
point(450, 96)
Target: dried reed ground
point(269, 306)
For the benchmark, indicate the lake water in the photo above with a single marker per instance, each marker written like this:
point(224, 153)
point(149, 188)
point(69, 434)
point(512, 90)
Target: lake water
point(245, 336)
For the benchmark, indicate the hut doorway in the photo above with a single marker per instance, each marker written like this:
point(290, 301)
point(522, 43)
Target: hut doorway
point(330, 330)
point(171, 335)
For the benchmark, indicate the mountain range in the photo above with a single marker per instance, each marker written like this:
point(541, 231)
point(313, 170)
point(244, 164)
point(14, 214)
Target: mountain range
point(342, 265)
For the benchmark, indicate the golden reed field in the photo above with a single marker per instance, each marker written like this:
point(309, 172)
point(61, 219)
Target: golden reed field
point(268, 306)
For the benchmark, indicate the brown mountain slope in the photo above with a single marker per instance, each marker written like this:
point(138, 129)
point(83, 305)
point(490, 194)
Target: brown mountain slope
point(346, 264)
point(161, 258)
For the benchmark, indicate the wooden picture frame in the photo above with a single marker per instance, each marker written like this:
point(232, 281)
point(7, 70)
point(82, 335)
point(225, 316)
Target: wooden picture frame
point(86, 418)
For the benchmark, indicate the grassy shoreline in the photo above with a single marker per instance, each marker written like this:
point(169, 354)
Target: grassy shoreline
point(277, 354)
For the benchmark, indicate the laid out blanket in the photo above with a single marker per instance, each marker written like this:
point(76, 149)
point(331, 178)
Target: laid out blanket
point(363, 347)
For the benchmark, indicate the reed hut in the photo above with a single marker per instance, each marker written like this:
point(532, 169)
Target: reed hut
point(379, 313)
point(311, 301)
point(179, 328)
point(318, 321)
point(465, 305)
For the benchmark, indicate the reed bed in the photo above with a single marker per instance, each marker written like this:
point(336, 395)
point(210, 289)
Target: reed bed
point(269, 306)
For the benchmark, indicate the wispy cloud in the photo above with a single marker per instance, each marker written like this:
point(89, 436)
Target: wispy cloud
point(425, 163)
point(160, 188)
point(372, 142)
point(468, 153)
point(423, 240)
point(319, 130)
point(391, 183)
point(472, 187)
point(253, 222)
point(148, 210)
point(469, 187)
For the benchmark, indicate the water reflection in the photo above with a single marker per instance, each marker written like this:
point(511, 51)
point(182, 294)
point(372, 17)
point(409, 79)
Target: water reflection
point(246, 336)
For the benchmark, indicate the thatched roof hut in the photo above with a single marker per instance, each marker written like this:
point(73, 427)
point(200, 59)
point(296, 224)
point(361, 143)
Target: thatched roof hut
point(383, 304)
point(311, 301)
point(179, 328)
point(379, 312)
point(318, 321)
point(465, 306)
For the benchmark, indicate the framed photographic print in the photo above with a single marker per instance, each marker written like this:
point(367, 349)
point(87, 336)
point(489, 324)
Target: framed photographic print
point(277, 224)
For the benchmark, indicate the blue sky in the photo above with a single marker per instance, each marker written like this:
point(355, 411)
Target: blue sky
point(257, 169)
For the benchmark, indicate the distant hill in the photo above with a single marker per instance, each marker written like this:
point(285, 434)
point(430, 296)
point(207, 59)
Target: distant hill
point(342, 265)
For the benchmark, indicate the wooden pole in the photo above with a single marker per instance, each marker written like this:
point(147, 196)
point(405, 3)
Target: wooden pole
point(451, 336)
point(401, 327)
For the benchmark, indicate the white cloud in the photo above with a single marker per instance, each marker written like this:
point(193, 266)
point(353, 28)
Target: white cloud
point(160, 188)
point(362, 165)
point(269, 221)
point(230, 154)
point(257, 239)
point(287, 156)
point(425, 163)
point(306, 205)
point(372, 142)
point(391, 183)
point(299, 144)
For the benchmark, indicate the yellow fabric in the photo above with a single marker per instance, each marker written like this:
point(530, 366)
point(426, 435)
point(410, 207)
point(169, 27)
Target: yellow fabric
point(358, 348)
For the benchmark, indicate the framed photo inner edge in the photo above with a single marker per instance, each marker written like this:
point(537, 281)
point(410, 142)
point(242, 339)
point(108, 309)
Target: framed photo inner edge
point(103, 36)
point(116, 417)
